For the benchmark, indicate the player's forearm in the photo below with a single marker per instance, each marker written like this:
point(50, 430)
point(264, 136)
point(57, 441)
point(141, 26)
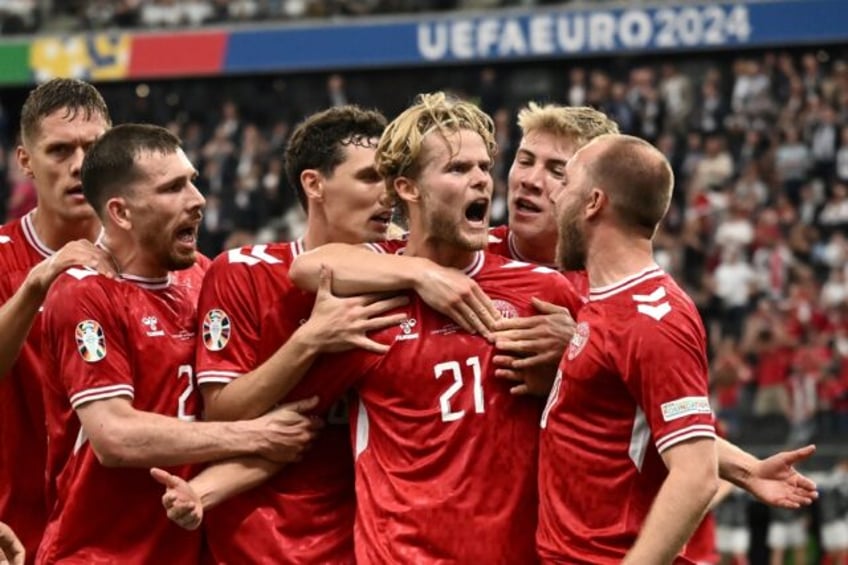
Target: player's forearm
point(154, 440)
point(356, 270)
point(734, 464)
point(254, 393)
point(677, 510)
point(226, 479)
point(723, 491)
point(16, 318)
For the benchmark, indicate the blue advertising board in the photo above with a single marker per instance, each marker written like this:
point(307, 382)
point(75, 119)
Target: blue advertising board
point(550, 33)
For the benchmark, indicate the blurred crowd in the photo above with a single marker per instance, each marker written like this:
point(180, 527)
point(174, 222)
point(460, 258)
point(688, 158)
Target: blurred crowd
point(756, 233)
point(31, 16)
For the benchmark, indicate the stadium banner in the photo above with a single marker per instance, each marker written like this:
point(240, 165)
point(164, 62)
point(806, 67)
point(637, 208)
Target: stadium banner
point(479, 37)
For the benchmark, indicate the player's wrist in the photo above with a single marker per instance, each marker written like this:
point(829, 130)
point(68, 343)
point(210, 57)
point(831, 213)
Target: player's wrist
point(206, 493)
point(37, 283)
point(307, 339)
point(420, 273)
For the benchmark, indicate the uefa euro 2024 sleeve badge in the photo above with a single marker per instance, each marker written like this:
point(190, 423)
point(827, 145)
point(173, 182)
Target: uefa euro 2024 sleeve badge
point(216, 330)
point(91, 343)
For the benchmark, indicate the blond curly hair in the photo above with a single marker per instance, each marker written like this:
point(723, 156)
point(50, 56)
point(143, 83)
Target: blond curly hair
point(400, 147)
point(578, 123)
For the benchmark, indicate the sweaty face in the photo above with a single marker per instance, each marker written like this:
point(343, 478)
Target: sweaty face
point(569, 200)
point(165, 209)
point(456, 189)
point(539, 166)
point(355, 199)
point(53, 159)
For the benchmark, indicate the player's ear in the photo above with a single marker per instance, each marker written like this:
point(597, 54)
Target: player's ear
point(596, 202)
point(24, 161)
point(312, 182)
point(119, 213)
point(406, 189)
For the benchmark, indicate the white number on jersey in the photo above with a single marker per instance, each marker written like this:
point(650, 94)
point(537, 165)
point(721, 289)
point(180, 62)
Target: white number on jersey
point(187, 372)
point(448, 413)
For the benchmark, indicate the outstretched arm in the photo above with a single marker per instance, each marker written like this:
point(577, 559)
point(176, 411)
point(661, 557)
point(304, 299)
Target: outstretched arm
point(18, 313)
point(186, 501)
point(357, 270)
point(774, 480)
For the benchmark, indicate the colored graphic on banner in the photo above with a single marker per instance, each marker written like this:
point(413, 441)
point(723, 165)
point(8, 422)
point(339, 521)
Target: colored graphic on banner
point(102, 56)
point(178, 55)
point(14, 63)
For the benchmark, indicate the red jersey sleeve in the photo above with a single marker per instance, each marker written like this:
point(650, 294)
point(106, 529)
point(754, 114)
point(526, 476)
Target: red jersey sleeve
point(89, 340)
point(228, 319)
point(664, 366)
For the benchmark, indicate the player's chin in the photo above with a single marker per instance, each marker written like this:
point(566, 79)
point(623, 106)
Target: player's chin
point(181, 260)
point(475, 241)
point(79, 211)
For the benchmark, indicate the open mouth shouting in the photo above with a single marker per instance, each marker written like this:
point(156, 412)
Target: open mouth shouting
point(477, 213)
point(187, 236)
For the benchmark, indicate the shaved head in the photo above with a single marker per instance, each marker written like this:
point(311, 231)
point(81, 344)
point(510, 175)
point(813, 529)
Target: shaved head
point(636, 177)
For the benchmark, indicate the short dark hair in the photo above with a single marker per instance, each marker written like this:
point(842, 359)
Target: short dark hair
point(318, 141)
point(71, 94)
point(110, 165)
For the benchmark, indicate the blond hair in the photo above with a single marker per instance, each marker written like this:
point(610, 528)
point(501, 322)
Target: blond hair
point(400, 147)
point(578, 123)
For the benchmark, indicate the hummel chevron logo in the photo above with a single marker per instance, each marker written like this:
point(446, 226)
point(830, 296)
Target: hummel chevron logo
point(252, 256)
point(653, 297)
point(655, 311)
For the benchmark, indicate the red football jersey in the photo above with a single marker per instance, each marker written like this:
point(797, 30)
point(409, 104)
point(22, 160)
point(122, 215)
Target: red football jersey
point(502, 242)
point(632, 383)
point(445, 456)
point(701, 548)
point(104, 338)
point(23, 450)
point(249, 307)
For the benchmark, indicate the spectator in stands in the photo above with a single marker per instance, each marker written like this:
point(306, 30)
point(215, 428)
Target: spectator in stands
point(716, 166)
point(733, 537)
point(734, 284)
point(792, 163)
point(771, 369)
point(834, 214)
point(728, 372)
point(833, 514)
point(787, 531)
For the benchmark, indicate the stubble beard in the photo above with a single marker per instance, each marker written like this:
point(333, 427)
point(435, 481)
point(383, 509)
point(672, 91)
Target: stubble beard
point(170, 259)
point(449, 232)
point(571, 245)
